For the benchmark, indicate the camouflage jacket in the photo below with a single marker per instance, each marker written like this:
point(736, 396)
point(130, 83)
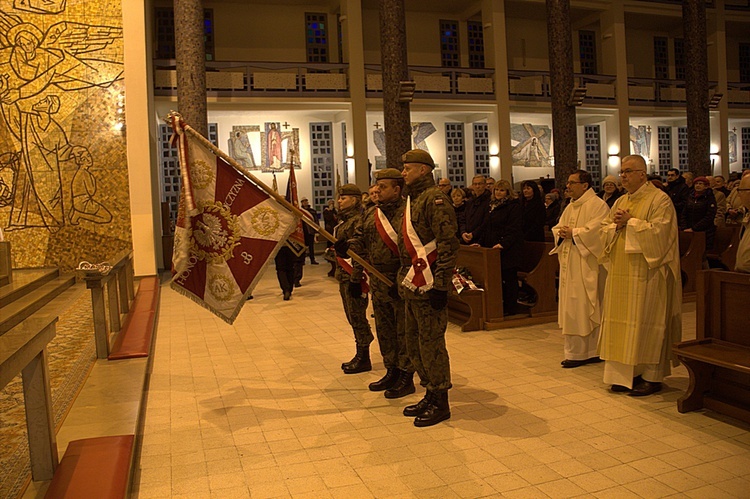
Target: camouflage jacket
point(348, 220)
point(369, 244)
point(433, 217)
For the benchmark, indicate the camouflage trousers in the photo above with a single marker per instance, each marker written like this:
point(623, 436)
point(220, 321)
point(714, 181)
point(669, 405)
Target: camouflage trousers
point(390, 327)
point(425, 342)
point(356, 313)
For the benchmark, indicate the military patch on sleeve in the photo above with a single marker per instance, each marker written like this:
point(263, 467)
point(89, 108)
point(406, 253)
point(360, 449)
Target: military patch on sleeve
point(439, 201)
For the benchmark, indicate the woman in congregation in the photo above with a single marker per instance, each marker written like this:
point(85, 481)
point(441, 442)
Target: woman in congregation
point(534, 212)
point(502, 228)
point(610, 191)
point(700, 210)
point(458, 196)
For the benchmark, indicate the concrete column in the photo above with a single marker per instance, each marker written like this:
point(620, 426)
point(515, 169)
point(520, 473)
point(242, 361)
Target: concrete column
point(615, 62)
point(143, 176)
point(496, 57)
point(696, 86)
point(354, 54)
point(190, 52)
point(564, 131)
point(396, 115)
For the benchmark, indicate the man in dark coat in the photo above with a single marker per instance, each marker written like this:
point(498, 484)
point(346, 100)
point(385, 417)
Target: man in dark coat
point(677, 189)
point(476, 209)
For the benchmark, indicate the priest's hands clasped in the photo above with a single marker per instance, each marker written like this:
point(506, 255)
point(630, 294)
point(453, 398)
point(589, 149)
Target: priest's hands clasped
point(621, 218)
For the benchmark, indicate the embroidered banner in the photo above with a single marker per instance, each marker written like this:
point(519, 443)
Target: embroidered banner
point(227, 231)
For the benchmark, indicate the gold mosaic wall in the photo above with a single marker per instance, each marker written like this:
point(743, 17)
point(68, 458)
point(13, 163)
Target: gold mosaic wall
point(63, 169)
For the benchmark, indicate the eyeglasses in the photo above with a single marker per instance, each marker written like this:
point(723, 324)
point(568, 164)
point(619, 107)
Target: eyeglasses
point(573, 182)
point(629, 171)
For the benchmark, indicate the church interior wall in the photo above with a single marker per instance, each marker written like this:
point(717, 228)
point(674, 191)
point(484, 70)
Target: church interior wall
point(527, 45)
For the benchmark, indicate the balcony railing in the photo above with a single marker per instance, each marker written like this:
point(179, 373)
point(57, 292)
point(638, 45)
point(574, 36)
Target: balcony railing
point(270, 79)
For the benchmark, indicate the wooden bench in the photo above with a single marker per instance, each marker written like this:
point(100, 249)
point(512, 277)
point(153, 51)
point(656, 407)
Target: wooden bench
point(94, 467)
point(538, 270)
point(692, 254)
point(724, 253)
point(6, 272)
point(24, 349)
point(718, 360)
point(471, 309)
point(134, 339)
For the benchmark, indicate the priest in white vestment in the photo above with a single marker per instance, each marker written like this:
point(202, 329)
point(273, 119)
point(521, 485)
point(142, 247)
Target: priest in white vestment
point(642, 308)
point(578, 247)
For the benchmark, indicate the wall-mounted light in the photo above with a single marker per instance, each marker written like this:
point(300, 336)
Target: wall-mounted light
point(713, 102)
point(487, 25)
point(343, 18)
point(406, 91)
point(576, 96)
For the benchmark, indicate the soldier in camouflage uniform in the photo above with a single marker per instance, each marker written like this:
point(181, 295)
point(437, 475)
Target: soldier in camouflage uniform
point(376, 239)
point(350, 282)
point(429, 248)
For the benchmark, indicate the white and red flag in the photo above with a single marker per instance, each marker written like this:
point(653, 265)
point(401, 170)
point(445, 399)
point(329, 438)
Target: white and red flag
point(227, 229)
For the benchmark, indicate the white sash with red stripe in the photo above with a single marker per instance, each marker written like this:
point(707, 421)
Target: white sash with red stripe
point(346, 266)
point(385, 229)
point(419, 277)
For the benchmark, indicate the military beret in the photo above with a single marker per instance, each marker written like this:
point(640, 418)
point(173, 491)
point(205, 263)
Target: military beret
point(349, 190)
point(388, 174)
point(418, 156)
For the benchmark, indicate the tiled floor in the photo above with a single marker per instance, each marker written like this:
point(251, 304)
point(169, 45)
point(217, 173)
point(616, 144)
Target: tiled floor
point(262, 409)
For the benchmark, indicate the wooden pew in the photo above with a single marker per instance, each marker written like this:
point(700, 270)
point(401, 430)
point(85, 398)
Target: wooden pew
point(692, 251)
point(718, 360)
point(471, 309)
point(724, 253)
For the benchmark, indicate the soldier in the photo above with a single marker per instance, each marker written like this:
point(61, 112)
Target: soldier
point(352, 286)
point(429, 248)
point(376, 239)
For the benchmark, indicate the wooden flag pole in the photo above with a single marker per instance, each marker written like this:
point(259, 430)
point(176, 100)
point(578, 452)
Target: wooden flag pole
point(281, 200)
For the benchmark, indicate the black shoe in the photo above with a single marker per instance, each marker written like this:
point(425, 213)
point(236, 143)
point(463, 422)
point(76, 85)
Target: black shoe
point(297, 284)
point(392, 376)
point(411, 411)
point(623, 389)
point(360, 363)
point(437, 411)
point(287, 295)
point(645, 388)
point(313, 262)
point(403, 387)
point(331, 274)
point(568, 364)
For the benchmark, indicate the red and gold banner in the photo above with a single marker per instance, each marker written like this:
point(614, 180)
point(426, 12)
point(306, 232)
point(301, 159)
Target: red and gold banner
point(227, 231)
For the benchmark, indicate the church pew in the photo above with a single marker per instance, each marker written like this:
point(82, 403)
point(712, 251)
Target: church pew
point(692, 251)
point(718, 360)
point(471, 309)
point(538, 270)
point(724, 253)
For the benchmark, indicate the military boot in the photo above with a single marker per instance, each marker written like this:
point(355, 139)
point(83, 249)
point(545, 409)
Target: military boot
point(403, 387)
point(360, 363)
point(411, 411)
point(392, 376)
point(437, 411)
